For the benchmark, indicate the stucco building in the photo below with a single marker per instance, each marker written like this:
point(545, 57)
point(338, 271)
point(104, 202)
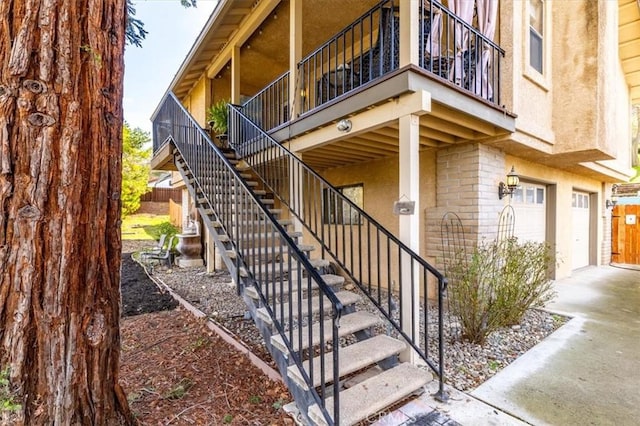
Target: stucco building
point(427, 104)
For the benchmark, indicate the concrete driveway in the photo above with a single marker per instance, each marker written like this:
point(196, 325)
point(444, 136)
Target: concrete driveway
point(588, 372)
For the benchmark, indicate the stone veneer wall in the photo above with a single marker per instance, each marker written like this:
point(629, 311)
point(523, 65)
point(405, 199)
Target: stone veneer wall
point(467, 178)
point(605, 257)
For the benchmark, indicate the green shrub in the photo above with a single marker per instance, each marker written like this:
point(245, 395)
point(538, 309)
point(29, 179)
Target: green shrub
point(497, 284)
point(218, 116)
point(7, 403)
point(163, 228)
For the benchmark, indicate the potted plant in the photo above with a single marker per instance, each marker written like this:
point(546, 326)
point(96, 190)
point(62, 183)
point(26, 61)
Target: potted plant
point(217, 116)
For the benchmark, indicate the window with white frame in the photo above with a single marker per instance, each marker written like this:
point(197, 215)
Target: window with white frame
point(536, 34)
point(339, 212)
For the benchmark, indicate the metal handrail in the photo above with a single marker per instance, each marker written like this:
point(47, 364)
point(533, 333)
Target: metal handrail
point(260, 108)
point(351, 58)
point(311, 198)
point(368, 49)
point(473, 49)
point(257, 237)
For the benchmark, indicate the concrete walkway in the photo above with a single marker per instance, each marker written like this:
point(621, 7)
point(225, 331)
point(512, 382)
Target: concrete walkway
point(587, 372)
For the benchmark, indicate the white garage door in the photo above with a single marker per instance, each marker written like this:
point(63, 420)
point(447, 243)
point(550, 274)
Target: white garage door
point(529, 204)
point(580, 210)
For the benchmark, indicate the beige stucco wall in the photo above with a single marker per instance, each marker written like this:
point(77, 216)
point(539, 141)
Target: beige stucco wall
point(615, 104)
point(579, 106)
point(576, 45)
point(380, 190)
point(524, 90)
point(198, 104)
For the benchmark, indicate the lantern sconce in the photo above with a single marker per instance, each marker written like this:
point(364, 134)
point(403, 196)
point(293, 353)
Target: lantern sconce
point(614, 197)
point(513, 180)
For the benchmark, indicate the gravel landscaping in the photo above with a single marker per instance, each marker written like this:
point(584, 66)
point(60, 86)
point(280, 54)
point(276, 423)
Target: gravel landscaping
point(467, 365)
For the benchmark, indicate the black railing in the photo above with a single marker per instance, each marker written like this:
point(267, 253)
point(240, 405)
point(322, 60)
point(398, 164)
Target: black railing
point(397, 280)
point(368, 49)
point(270, 108)
point(356, 55)
point(274, 265)
point(458, 52)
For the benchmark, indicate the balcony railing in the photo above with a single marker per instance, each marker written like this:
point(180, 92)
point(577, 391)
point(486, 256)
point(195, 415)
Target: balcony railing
point(356, 55)
point(368, 49)
point(269, 108)
point(456, 51)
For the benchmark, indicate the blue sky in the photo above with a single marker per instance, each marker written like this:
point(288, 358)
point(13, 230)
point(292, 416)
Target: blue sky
point(149, 70)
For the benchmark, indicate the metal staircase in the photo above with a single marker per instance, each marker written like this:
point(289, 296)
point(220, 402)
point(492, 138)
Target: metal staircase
point(322, 338)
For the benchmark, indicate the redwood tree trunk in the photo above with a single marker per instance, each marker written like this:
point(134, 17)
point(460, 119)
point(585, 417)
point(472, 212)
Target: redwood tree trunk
point(60, 151)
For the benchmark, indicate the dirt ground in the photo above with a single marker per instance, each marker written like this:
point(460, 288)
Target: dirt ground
point(176, 371)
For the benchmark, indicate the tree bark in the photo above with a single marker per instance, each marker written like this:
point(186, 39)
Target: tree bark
point(61, 64)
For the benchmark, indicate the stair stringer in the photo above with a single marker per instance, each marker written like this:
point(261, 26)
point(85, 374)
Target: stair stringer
point(229, 263)
point(304, 398)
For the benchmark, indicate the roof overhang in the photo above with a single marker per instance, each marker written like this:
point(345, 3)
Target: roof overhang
point(629, 44)
point(221, 26)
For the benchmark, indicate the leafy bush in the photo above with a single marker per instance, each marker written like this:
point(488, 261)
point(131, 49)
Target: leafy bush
point(218, 116)
point(497, 284)
point(7, 403)
point(163, 228)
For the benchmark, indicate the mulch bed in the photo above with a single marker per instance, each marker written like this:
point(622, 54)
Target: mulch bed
point(176, 371)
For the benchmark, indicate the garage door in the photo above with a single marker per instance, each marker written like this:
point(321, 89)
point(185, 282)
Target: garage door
point(581, 242)
point(529, 204)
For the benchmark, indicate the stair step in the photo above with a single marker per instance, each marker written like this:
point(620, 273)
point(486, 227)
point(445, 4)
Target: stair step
point(349, 324)
point(374, 394)
point(346, 297)
point(230, 154)
point(352, 358)
point(283, 222)
point(306, 248)
point(281, 268)
point(249, 237)
point(214, 175)
point(258, 192)
point(245, 212)
point(245, 222)
point(329, 279)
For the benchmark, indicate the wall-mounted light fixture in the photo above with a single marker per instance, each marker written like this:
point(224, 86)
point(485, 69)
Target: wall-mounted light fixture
point(614, 197)
point(508, 188)
point(344, 125)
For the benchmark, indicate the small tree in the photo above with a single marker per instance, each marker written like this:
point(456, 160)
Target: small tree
point(496, 286)
point(135, 167)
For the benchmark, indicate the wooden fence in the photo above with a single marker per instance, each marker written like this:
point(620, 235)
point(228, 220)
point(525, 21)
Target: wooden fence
point(163, 195)
point(175, 213)
point(625, 234)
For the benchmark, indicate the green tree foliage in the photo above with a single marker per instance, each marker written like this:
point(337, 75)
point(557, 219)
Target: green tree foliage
point(135, 32)
point(135, 167)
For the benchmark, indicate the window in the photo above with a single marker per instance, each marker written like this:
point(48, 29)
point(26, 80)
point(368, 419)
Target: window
point(536, 32)
point(529, 194)
point(339, 212)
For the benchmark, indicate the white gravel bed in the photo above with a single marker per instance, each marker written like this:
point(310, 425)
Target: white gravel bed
point(467, 365)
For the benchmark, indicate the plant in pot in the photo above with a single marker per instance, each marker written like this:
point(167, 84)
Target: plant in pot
point(217, 116)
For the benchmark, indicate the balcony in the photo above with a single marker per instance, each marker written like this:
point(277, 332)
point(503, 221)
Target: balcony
point(453, 59)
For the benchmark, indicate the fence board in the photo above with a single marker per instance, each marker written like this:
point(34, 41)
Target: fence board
point(625, 244)
point(163, 195)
